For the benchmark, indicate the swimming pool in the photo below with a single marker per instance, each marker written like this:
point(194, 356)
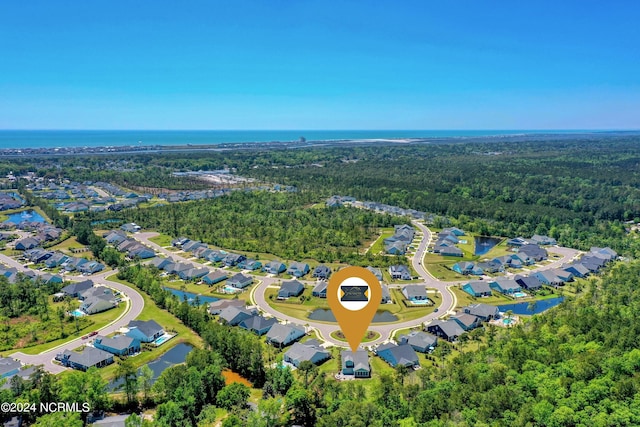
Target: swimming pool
point(162, 339)
point(420, 302)
point(519, 294)
point(507, 321)
point(230, 289)
point(78, 313)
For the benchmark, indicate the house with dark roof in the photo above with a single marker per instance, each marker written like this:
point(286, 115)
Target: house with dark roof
point(401, 272)
point(291, 288)
point(449, 251)
point(396, 355)
point(26, 243)
point(562, 274)
point(450, 330)
point(250, 264)
point(257, 324)
point(505, 286)
point(217, 256)
point(548, 277)
point(240, 281)
point(477, 288)
point(386, 295)
point(310, 350)
point(75, 289)
point(160, 263)
point(321, 272)
point(530, 283)
point(140, 252)
point(120, 345)
point(193, 273)
point(376, 272)
point(466, 321)
point(87, 358)
point(232, 260)
point(534, 251)
point(274, 267)
point(484, 312)
point(320, 290)
point(214, 277)
point(419, 341)
point(216, 307)
point(74, 263)
point(191, 245)
point(491, 267)
point(415, 293)
point(356, 364)
point(145, 330)
point(298, 269)
point(56, 260)
point(578, 270)
point(47, 278)
point(234, 315)
point(282, 335)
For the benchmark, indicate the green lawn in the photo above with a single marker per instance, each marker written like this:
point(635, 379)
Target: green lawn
point(464, 299)
point(378, 245)
point(71, 243)
point(98, 320)
point(162, 240)
point(374, 336)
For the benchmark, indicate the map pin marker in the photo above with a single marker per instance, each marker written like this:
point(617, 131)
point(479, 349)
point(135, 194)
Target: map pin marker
point(354, 295)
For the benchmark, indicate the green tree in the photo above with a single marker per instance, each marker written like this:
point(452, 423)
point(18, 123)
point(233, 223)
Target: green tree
point(126, 371)
point(57, 419)
point(234, 395)
point(145, 381)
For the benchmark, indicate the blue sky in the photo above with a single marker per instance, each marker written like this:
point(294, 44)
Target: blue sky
point(308, 64)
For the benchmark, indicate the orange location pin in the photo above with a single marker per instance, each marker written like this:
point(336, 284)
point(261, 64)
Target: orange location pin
point(354, 295)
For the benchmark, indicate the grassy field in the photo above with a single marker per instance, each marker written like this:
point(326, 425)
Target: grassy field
point(464, 299)
point(71, 243)
point(162, 240)
point(378, 245)
point(98, 320)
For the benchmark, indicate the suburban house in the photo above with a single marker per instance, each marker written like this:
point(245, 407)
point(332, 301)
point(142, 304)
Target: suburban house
point(250, 264)
point(9, 367)
point(578, 270)
point(193, 273)
point(320, 290)
point(26, 243)
point(548, 277)
point(400, 272)
point(145, 330)
point(298, 269)
point(466, 321)
point(608, 253)
point(321, 272)
point(484, 312)
point(217, 307)
point(56, 260)
point(140, 252)
point(453, 230)
point(233, 315)
point(217, 256)
point(90, 267)
point(257, 324)
point(395, 248)
point(419, 341)
point(466, 268)
point(530, 283)
point(214, 277)
point(562, 274)
point(477, 288)
point(310, 350)
point(120, 345)
point(376, 272)
point(232, 260)
point(98, 303)
point(534, 251)
point(523, 258)
point(240, 281)
point(96, 291)
point(491, 266)
point(282, 335)
point(274, 267)
point(132, 227)
point(74, 263)
point(415, 293)
point(160, 263)
point(505, 286)
point(450, 251)
point(291, 288)
point(396, 355)
point(50, 278)
point(356, 364)
point(450, 330)
point(517, 242)
point(115, 237)
point(543, 240)
point(75, 289)
point(88, 358)
point(386, 295)
point(402, 237)
point(190, 245)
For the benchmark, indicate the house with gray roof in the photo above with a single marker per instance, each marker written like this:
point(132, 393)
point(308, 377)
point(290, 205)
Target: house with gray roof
point(310, 350)
point(193, 273)
point(449, 251)
point(216, 307)
point(274, 267)
point(281, 335)
point(530, 283)
point(321, 272)
point(415, 293)
point(401, 272)
point(9, 367)
point(477, 288)
point(419, 341)
point(577, 269)
point(548, 277)
point(240, 281)
point(534, 251)
point(291, 288)
point(543, 240)
point(98, 304)
point(484, 312)
point(466, 321)
point(320, 290)
point(258, 324)
point(386, 295)
point(75, 289)
point(505, 286)
point(450, 330)
point(396, 355)
point(87, 358)
point(355, 363)
point(145, 330)
point(214, 277)
point(120, 345)
point(160, 263)
point(298, 269)
point(234, 315)
point(376, 272)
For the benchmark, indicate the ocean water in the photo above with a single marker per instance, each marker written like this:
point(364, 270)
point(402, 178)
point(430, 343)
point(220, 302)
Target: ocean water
point(17, 139)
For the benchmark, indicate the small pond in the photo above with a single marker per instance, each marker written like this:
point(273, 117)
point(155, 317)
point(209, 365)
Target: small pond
point(483, 244)
point(191, 297)
point(324, 315)
point(29, 215)
point(539, 306)
point(176, 355)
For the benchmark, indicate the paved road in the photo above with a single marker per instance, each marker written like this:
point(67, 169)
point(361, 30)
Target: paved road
point(132, 298)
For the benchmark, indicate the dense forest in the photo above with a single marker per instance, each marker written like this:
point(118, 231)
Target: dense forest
point(282, 224)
